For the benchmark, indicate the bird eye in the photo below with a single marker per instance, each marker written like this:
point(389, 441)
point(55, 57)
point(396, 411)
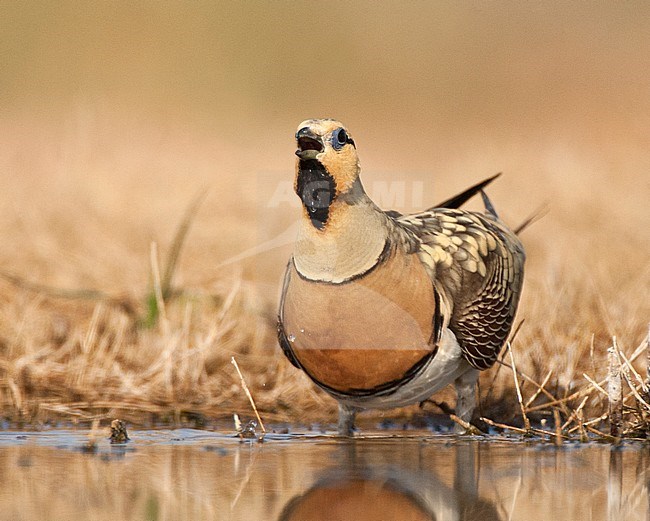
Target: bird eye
point(340, 138)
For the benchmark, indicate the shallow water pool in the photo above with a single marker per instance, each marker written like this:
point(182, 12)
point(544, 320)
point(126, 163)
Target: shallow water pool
point(199, 475)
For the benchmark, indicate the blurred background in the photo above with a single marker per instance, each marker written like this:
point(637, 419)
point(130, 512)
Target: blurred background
point(115, 115)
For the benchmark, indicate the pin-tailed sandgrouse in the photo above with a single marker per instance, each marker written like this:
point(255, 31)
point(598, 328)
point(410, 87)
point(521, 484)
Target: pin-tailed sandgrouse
point(381, 310)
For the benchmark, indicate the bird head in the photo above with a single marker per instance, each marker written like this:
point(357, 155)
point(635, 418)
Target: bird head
point(327, 166)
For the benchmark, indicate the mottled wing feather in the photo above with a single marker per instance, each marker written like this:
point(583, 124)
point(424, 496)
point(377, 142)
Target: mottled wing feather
point(477, 262)
point(482, 323)
point(456, 201)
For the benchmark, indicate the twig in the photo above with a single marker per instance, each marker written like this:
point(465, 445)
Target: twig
point(630, 368)
point(614, 391)
point(599, 433)
point(559, 401)
point(593, 421)
point(643, 346)
point(540, 387)
point(503, 425)
point(581, 427)
point(558, 426)
point(575, 413)
point(634, 390)
point(519, 429)
point(539, 390)
point(471, 429)
point(250, 397)
point(594, 384)
point(519, 397)
point(514, 334)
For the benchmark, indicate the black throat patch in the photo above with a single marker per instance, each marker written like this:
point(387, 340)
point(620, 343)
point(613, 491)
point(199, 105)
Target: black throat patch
point(317, 189)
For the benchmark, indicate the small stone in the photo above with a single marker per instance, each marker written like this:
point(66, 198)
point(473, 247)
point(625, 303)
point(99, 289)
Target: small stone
point(118, 432)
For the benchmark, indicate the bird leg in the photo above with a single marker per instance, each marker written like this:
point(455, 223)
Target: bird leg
point(466, 396)
point(347, 415)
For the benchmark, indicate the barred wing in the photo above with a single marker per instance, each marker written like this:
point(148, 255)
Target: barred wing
point(478, 264)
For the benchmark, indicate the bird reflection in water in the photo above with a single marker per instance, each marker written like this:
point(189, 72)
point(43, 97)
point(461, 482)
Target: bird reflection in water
point(365, 487)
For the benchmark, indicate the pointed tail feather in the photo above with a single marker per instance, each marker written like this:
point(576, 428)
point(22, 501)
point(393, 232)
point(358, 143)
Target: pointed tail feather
point(533, 218)
point(489, 208)
point(460, 199)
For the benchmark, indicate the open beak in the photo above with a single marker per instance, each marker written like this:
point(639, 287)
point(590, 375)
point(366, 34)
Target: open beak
point(309, 144)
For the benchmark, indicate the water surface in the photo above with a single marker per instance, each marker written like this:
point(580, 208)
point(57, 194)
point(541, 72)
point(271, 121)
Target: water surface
point(197, 475)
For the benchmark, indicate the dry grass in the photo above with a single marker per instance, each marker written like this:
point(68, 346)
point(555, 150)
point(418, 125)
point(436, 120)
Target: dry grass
point(149, 350)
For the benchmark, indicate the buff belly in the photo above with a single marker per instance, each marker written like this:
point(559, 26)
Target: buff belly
point(439, 371)
point(365, 334)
